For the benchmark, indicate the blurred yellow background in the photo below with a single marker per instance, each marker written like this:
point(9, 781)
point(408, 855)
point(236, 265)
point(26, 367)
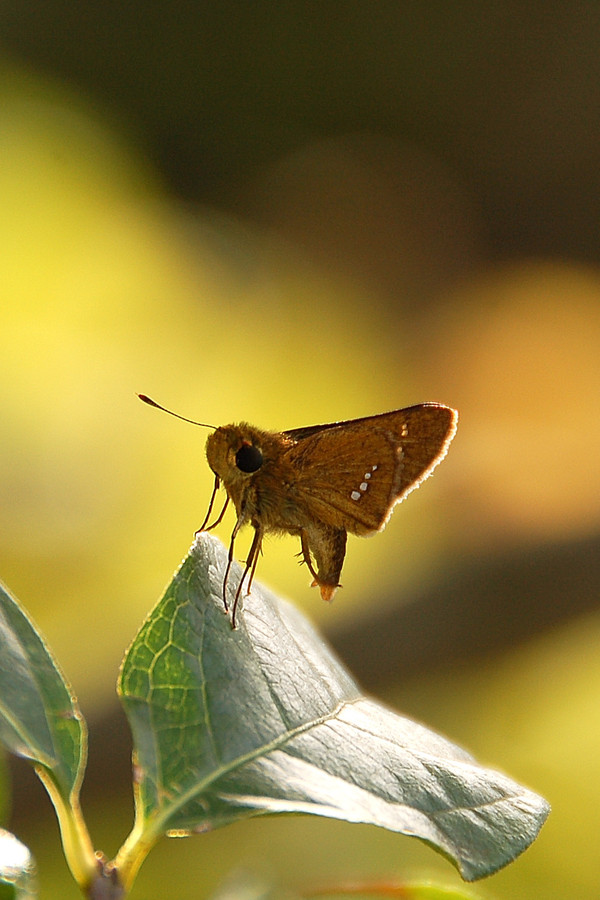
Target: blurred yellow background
point(292, 216)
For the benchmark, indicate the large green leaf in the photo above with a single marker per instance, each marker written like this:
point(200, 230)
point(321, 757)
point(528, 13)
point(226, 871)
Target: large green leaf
point(264, 719)
point(39, 718)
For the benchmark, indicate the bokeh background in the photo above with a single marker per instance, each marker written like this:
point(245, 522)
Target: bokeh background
point(291, 213)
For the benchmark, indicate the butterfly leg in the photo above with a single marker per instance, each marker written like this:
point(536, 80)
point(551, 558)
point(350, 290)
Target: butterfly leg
point(253, 555)
point(327, 546)
point(237, 527)
point(307, 557)
point(205, 526)
point(250, 566)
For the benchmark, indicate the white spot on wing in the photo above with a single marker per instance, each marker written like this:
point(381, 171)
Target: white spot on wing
point(363, 486)
point(355, 495)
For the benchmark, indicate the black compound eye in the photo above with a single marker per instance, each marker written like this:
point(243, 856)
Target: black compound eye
point(248, 458)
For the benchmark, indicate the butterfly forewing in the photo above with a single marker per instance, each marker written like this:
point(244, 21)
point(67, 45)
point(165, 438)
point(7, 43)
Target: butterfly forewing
point(426, 434)
point(350, 474)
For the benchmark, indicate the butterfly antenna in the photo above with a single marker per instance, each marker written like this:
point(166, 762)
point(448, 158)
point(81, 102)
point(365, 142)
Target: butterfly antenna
point(151, 402)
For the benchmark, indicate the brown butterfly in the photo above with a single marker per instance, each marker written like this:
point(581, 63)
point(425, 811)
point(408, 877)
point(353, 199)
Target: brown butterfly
point(323, 481)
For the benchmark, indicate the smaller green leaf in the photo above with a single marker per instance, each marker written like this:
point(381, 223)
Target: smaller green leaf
point(39, 717)
point(17, 869)
point(40, 721)
point(265, 720)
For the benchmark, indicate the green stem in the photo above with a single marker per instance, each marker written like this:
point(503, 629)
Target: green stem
point(77, 845)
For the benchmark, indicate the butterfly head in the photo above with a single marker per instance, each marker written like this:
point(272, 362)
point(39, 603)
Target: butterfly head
point(234, 453)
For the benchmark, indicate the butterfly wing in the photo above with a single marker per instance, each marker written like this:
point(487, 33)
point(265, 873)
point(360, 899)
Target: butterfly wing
point(350, 474)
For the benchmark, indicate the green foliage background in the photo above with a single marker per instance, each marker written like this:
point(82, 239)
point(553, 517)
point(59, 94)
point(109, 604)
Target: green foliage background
point(296, 214)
